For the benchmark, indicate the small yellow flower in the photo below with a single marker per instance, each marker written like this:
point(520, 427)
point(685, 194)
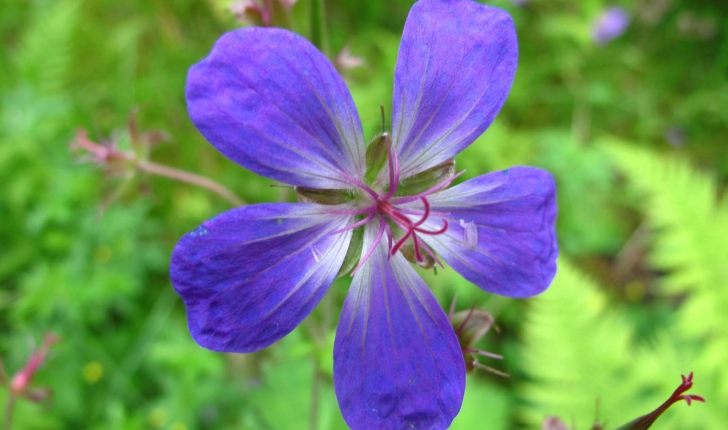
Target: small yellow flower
point(93, 372)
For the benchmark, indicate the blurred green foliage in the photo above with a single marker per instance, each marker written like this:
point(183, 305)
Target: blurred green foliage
point(634, 132)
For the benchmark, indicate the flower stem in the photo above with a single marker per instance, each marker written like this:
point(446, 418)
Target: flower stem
point(7, 422)
point(190, 178)
point(318, 25)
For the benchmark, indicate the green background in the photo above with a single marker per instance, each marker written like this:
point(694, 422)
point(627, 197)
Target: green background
point(634, 132)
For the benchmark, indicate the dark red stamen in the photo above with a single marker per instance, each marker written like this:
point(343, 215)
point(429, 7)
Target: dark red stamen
point(411, 228)
point(399, 243)
point(418, 255)
point(424, 215)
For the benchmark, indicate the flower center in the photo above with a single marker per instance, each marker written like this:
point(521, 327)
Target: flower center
point(390, 212)
point(411, 228)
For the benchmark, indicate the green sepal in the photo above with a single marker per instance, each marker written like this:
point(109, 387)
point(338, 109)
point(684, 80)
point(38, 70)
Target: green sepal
point(376, 156)
point(423, 181)
point(470, 326)
point(353, 254)
point(324, 197)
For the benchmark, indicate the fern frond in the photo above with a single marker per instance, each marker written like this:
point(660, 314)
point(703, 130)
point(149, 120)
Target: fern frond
point(691, 245)
point(45, 53)
point(578, 351)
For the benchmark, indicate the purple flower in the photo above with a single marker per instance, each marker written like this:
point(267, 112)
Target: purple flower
point(612, 23)
point(268, 100)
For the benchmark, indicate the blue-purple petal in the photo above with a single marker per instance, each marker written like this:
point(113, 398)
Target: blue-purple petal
point(270, 101)
point(456, 64)
point(250, 275)
point(397, 361)
point(514, 211)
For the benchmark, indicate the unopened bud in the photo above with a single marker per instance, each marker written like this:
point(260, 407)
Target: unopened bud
point(471, 326)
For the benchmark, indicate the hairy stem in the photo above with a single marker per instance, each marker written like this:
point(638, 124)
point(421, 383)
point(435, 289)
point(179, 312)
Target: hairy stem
point(190, 178)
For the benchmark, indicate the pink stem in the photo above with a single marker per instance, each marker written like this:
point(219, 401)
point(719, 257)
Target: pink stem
point(355, 225)
point(190, 178)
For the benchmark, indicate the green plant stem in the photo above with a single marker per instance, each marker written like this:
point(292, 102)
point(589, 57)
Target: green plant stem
point(190, 178)
point(318, 26)
point(8, 421)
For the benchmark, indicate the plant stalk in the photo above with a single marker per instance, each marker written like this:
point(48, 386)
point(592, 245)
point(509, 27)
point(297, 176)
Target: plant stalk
point(190, 178)
point(318, 26)
point(8, 421)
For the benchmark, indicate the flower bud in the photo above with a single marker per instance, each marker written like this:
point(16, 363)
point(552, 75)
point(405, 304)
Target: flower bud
point(471, 326)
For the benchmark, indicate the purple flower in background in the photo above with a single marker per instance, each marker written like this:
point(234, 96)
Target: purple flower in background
point(612, 23)
point(268, 100)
